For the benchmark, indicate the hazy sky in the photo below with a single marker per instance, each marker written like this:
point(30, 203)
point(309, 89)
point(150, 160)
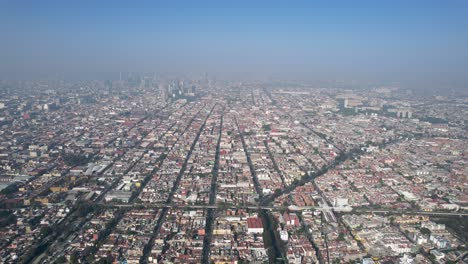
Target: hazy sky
point(411, 42)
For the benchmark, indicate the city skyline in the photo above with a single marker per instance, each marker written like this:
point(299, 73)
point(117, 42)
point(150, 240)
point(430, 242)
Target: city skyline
point(414, 44)
point(144, 170)
point(233, 132)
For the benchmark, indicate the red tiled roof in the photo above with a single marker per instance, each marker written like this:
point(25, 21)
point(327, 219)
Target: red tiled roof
point(254, 222)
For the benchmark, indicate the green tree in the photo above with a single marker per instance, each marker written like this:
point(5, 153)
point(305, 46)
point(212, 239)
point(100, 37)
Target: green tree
point(425, 231)
point(278, 192)
point(341, 237)
point(45, 231)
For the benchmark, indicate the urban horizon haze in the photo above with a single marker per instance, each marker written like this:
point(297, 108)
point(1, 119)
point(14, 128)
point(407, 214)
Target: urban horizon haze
point(414, 44)
point(233, 132)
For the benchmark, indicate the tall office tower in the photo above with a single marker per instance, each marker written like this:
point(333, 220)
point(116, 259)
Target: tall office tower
point(343, 103)
point(163, 92)
point(108, 85)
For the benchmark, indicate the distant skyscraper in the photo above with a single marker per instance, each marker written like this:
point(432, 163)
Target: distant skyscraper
point(163, 93)
point(343, 103)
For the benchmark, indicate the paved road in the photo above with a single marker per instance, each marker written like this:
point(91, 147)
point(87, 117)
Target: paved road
point(169, 201)
point(459, 214)
point(293, 208)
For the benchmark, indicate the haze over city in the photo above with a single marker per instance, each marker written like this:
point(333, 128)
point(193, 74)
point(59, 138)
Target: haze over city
point(233, 132)
point(412, 43)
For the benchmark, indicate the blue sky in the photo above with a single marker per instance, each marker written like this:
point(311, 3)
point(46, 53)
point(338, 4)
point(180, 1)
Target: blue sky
point(409, 42)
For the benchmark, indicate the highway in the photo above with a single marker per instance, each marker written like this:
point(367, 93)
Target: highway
point(292, 208)
point(458, 214)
